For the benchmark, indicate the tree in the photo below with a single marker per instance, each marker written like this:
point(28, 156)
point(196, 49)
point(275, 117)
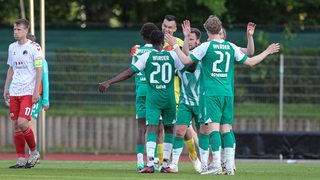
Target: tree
point(273, 12)
point(283, 13)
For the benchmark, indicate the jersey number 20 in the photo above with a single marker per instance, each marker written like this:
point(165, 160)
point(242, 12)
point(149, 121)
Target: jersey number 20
point(166, 72)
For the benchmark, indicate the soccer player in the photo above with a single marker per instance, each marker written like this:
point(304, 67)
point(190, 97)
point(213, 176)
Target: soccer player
point(141, 91)
point(159, 67)
point(24, 75)
point(217, 59)
point(169, 26)
point(44, 95)
point(249, 51)
point(188, 106)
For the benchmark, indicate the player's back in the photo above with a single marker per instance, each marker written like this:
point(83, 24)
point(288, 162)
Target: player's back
point(218, 68)
point(160, 68)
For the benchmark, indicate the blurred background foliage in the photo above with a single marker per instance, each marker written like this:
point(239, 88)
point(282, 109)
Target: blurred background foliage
point(126, 13)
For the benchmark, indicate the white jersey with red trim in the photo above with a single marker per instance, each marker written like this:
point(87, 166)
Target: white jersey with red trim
point(21, 58)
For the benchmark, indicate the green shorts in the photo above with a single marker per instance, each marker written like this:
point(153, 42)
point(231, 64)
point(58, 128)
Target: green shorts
point(140, 107)
point(186, 113)
point(218, 109)
point(36, 108)
point(153, 115)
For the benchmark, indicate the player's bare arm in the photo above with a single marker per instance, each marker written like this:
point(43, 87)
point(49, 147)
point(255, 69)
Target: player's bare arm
point(6, 94)
point(249, 50)
point(36, 95)
point(272, 48)
point(120, 77)
point(250, 28)
point(184, 58)
point(250, 31)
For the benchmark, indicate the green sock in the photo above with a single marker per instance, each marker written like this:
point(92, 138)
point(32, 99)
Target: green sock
point(215, 140)
point(228, 140)
point(140, 148)
point(204, 141)
point(178, 142)
point(168, 138)
point(233, 137)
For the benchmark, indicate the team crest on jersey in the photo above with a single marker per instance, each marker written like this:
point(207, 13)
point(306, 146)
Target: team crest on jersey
point(25, 52)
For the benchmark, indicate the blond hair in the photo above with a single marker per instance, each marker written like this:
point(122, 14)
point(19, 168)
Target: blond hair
point(213, 24)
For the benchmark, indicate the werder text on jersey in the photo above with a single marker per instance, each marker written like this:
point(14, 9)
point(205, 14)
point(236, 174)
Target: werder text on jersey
point(160, 58)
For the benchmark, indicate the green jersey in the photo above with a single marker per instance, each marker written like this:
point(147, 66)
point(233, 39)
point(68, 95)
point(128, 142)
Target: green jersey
point(140, 79)
point(159, 69)
point(189, 87)
point(217, 66)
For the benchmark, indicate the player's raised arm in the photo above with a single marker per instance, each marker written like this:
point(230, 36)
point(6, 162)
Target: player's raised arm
point(184, 58)
point(250, 45)
point(186, 32)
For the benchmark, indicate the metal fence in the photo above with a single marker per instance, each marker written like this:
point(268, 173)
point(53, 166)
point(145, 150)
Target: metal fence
point(281, 93)
point(284, 87)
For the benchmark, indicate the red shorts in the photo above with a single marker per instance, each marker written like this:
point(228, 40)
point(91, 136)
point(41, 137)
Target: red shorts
point(21, 106)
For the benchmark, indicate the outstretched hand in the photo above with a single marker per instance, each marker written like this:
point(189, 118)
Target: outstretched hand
point(250, 28)
point(273, 48)
point(186, 28)
point(170, 39)
point(103, 86)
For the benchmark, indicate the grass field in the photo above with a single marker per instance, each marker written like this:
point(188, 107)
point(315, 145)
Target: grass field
point(61, 170)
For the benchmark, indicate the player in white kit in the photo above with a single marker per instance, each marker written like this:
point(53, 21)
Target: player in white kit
point(24, 75)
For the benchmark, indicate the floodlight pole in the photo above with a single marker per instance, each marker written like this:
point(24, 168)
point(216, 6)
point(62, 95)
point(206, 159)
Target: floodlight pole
point(43, 113)
point(31, 4)
point(281, 93)
point(23, 12)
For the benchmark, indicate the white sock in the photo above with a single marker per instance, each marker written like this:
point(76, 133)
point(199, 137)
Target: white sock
point(204, 155)
point(151, 147)
point(230, 154)
point(176, 155)
point(216, 158)
point(140, 158)
point(167, 147)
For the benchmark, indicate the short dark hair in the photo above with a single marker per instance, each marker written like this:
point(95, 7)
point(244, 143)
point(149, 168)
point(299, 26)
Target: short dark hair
point(146, 30)
point(156, 37)
point(31, 37)
point(197, 32)
point(23, 22)
point(170, 17)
